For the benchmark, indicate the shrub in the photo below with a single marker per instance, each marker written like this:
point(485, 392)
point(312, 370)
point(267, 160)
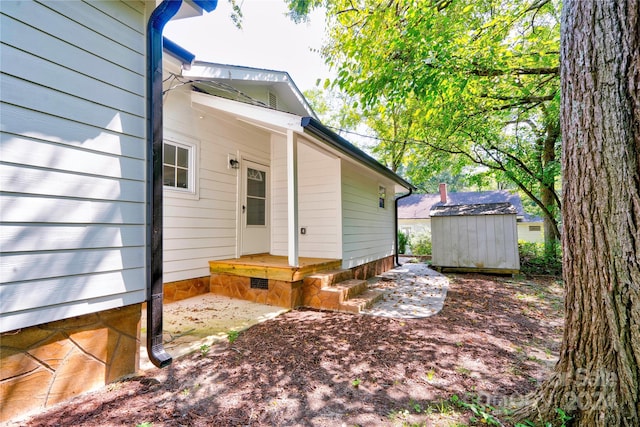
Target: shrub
point(403, 239)
point(534, 260)
point(421, 243)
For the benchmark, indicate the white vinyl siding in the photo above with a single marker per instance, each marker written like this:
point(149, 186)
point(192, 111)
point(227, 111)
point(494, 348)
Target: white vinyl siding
point(318, 201)
point(202, 229)
point(279, 215)
point(72, 159)
point(368, 231)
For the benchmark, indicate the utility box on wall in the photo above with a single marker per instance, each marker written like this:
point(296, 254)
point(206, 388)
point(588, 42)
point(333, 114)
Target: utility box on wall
point(475, 238)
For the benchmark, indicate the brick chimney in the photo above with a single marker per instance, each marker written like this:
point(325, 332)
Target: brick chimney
point(443, 193)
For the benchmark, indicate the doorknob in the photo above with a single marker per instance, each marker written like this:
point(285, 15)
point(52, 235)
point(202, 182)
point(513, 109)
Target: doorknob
point(243, 208)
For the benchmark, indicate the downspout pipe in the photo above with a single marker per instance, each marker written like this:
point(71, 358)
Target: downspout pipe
point(159, 17)
point(396, 224)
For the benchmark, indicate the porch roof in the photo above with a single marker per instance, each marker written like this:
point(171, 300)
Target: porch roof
point(281, 122)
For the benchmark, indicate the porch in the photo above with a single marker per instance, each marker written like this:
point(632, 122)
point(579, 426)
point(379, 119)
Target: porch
point(315, 282)
point(272, 267)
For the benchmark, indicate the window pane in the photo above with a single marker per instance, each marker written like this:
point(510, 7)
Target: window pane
point(256, 213)
point(169, 176)
point(183, 157)
point(169, 154)
point(182, 180)
point(256, 183)
point(382, 196)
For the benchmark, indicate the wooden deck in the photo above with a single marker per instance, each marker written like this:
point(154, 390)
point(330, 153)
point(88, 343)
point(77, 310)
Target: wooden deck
point(265, 266)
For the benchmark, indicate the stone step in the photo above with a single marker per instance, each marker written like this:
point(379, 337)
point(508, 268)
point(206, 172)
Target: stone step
point(361, 302)
point(327, 278)
point(351, 288)
point(331, 297)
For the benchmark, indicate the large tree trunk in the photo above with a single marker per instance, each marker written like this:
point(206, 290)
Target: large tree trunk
point(597, 378)
point(547, 196)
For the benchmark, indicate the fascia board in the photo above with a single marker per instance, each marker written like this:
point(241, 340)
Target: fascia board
point(247, 112)
point(200, 70)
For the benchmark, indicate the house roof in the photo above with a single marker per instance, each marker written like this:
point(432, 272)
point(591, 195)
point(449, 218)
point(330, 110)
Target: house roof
point(216, 86)
point(191, 8)
point(177, 51)
point(504, 208)
point(227, 81)
point(418, 206)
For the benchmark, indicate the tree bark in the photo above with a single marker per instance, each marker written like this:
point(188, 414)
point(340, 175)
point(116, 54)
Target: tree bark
point(597, 379)
point(551, 232)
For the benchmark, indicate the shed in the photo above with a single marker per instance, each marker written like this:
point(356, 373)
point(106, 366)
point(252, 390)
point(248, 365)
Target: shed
point(475, 237)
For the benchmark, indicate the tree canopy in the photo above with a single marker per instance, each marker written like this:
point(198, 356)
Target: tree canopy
point(440, 80)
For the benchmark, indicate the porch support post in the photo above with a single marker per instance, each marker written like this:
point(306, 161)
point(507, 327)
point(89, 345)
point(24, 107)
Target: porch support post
point(292, 198)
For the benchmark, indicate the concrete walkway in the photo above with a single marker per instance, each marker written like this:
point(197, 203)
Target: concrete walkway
point(410, 291)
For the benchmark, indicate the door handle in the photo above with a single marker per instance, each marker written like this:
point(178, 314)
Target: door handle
point(244, 208)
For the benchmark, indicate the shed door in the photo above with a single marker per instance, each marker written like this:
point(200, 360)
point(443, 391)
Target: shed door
point(255, 208)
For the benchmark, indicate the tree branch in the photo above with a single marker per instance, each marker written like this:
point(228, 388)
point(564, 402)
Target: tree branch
point(516, 71)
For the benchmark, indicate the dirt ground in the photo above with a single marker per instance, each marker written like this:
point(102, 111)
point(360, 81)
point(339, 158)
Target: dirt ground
point(495, 339)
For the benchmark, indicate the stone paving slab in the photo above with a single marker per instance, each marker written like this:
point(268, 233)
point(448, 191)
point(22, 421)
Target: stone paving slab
point(411, 291)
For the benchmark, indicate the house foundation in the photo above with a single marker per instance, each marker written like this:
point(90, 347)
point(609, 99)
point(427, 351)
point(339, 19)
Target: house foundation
point(183, 289)
point(47, 364)
point(279, 293)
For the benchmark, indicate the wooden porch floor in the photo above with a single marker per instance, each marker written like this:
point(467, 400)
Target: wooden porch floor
point(266, 266)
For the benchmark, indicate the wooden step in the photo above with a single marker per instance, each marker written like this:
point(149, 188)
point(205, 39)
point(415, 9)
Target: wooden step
point(361, 302)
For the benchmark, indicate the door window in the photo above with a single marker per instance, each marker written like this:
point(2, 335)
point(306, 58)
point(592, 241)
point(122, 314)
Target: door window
point(256, 197)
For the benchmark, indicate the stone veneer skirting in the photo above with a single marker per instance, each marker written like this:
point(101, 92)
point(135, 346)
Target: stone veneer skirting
point(282, 293)
point(183, 289)
point(47, 364)
point(373, 268)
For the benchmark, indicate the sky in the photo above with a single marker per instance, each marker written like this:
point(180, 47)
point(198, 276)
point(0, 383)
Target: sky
point(268, 39)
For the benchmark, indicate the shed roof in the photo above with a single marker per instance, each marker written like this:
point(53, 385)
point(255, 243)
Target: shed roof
point(418, 206)
point(474, 209)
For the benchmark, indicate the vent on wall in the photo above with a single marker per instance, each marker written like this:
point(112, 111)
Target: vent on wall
point(534, 228)
point(258, 283)
point(273, 101)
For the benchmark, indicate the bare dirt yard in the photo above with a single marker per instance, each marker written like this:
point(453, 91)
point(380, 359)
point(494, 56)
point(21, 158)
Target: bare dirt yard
point(495, 339)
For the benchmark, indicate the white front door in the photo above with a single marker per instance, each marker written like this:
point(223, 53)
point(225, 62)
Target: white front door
point(254, 208)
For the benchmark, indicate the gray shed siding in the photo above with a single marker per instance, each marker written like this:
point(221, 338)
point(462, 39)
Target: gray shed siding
point(72, 159)
point(475, 242)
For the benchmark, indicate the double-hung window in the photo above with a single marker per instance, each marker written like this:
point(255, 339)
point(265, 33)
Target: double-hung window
point(177, 161)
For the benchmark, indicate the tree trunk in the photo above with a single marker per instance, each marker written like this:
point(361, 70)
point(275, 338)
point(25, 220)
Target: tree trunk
point(551, 236)
point(597, 379)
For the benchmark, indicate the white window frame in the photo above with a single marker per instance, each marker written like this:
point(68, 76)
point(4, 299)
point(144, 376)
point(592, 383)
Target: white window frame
point(191, 192)
point(385, 198)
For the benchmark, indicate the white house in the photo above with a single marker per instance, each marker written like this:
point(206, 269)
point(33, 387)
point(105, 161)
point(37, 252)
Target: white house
point(96, 200)
point(261, 175)
point(76, 96)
